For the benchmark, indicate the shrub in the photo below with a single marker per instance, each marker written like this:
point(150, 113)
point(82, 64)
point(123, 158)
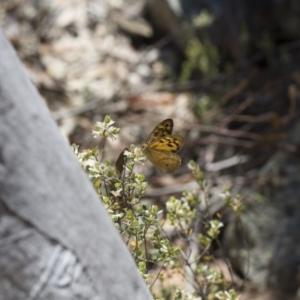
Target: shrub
point(180, 243)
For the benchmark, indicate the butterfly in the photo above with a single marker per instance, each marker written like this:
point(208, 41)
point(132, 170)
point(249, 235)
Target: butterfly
point(161, 147)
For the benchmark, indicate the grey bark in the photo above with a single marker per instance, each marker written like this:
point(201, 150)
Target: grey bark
point(56, 239)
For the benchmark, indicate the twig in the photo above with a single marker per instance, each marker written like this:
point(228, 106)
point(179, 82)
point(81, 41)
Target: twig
point(226, 163)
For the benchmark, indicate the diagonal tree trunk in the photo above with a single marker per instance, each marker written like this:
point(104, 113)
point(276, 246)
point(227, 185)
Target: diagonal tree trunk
point(56, 240)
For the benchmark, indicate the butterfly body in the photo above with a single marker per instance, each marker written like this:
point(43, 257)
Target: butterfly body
point(161, 147)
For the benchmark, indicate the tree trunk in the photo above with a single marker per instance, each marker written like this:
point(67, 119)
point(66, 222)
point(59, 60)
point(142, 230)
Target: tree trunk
point(56, 239)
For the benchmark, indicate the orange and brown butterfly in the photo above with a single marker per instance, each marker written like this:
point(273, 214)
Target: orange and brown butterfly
point(161, 147)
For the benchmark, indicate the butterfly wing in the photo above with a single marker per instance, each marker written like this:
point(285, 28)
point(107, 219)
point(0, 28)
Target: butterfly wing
point(121, 161)
point(171, 143)
point(162, 129)
point(164, 161)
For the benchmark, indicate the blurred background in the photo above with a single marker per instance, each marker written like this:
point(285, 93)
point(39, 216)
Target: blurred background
point(227, 72)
